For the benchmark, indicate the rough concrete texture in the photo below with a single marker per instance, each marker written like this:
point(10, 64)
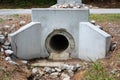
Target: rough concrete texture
point(30, 41)
point(69, 1)
point(26, 42)
point(94, 43)
point(65, 20)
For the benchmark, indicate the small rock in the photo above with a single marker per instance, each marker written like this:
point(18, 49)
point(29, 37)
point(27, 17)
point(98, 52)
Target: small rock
point(55, 74)
point(78, 6)
point(65, 76)
point(25, 62)
point(2, 39)
point(65, 6)
point(5, 47)
point(72, 5)
point(78, 66)
point(83, 5)
point(100, 27)
point(2, 50)
point(10, 19)
point(70, 73)
point(40, 72)
point(69, 67)
point(113, 46)
point(53, 70)
point(14, 57)
point(86, 7)
point(64, 66)
point(75, 7)
point(90, 6)
point(48, 69)
point(9, 47)
point(5, 34)
point(12, 62)
point(13, 28)
point(114, 71)
point(54, 6)
point(60, 6)
point(6, 26)
point(1, 32)
point(118, 75)
point(58, 69)
point(7, 58)
point(22, 22)
point(93, 22)
point(7, 43)
point(34, 70)
point(8, 52)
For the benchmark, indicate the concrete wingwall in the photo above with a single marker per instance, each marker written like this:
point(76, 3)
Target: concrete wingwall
point(26, 42)
point(94, 43)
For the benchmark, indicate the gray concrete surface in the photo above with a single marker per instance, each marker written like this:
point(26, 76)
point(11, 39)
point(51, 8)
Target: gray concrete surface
point(26, 42)
point(28, 11)
point(60, 36)
point(94, 43)
point(67, 19)
point(64, 21)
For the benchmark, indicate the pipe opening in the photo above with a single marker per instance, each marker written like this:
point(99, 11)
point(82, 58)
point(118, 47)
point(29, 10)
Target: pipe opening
point(59, 43)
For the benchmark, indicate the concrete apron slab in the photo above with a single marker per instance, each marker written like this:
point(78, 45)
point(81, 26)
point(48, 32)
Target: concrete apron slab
point(58, 34)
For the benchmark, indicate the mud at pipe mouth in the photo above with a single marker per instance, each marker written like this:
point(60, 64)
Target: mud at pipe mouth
point(59, 43)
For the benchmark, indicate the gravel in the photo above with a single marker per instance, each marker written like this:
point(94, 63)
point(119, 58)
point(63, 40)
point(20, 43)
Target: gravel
point(8, 52)
point(2, 39)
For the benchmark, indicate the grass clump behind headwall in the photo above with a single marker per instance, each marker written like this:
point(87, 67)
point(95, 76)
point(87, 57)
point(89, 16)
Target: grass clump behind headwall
point(105, 17)
point(98, 72)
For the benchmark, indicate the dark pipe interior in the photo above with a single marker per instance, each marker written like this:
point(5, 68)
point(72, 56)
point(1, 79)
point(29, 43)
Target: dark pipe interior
point(59, 43)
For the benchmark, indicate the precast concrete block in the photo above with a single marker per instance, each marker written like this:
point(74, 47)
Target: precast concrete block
point(94, 43)
point(26, 42)
point(62, 24)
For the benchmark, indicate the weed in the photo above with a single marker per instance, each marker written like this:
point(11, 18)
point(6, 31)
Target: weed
point(15, 15)
point(1, 20)
point(5, 75)
point(98, 72)
point(118, 55)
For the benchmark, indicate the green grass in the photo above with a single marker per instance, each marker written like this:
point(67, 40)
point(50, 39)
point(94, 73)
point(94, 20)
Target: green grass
point(15, 15)
point(118, 55)
point(1, 20)
point(105, 17)
point(97, 72)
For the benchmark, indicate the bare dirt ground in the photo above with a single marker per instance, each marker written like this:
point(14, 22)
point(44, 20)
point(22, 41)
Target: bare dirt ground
point(23, 71)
